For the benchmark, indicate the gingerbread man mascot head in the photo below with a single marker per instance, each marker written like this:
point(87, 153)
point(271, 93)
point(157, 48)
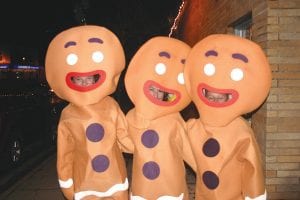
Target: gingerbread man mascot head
point(154, 80)
point(83, 64)
point(227, 76)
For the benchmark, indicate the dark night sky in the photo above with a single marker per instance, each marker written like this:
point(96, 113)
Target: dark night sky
point(33, 23)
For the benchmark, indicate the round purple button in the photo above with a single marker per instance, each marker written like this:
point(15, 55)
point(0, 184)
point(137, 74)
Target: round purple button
point(100, 163)
point(210, 179)
point(151, 170)
point(95, 132)
point(150, 138)
point(211, 147)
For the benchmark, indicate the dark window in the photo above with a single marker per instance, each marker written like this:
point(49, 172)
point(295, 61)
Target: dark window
point(242, 27)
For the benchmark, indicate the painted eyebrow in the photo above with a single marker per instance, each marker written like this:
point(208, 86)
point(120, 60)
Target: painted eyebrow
point(211, 53)
point(164, 54)
point(240, 57)
point(95, 40)
point(70, 43)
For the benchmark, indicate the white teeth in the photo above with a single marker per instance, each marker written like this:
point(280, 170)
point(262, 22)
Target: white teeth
point(229, 96)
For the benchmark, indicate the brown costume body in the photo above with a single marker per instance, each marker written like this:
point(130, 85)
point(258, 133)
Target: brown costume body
point(226, 76)
point(78, 127)
point(154, 84)
point(229, 166)
point(83, 65)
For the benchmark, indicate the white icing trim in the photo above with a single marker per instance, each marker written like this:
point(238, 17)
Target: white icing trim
point(180, 197)
point(115, 188)
point(65, 184)
point(261, 197)
point(136, 197)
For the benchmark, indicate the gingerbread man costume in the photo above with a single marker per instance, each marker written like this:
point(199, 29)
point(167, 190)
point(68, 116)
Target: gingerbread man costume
point(83, 66)
point(154, 82)
point(226, 76)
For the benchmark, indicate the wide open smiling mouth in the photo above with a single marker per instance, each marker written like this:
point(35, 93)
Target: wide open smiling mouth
point(86, 81)
point(216, 97)
point(160, 95)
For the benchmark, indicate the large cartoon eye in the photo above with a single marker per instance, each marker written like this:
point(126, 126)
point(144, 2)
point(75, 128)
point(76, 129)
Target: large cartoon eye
point(72, 59)
point(97, 56)
point(237, 74)
point(209, 69)
point(160, 68)
point(180, 78)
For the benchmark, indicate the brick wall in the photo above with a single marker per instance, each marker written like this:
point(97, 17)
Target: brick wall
point(283, 107)
point(260, 36)
point(276, 28)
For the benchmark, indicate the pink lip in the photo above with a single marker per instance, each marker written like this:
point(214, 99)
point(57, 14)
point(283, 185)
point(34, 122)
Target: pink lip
point(150, 84)
point(203, 88)
point(100, 73)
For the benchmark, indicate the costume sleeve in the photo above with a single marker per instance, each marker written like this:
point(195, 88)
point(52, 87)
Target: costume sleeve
point(187, 150)
point(124, 141)
point(252, 174)
point(65, 158)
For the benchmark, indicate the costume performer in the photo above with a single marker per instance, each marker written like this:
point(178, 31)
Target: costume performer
point(83, 66)
point(226, 76)
point(154, 82)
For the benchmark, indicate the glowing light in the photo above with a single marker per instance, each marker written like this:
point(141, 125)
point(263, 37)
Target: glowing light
point(175, 23)
point(26, 67)
point(3, 66)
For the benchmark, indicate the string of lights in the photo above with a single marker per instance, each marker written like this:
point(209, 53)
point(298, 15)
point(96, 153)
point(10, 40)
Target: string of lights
point(176, 20)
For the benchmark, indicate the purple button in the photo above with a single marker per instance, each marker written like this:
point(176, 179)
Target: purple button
point(151, 170)
point(210, 179)
point(100, 163)
point(150, 138)
point(211, 147)
point(95, 132)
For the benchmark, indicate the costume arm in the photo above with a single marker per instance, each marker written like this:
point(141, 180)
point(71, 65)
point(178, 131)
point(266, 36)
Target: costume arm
point(191, 160)
point(124, 141)
point(65, 157)
point(187, 150)
point(253, 186)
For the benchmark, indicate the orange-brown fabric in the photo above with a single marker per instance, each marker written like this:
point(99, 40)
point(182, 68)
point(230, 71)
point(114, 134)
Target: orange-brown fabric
point(75, 41)
point(75, 152)
point(228, 158)
point(247, 94)
point(142, 68)
point(155, 125)
point(90, 163)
